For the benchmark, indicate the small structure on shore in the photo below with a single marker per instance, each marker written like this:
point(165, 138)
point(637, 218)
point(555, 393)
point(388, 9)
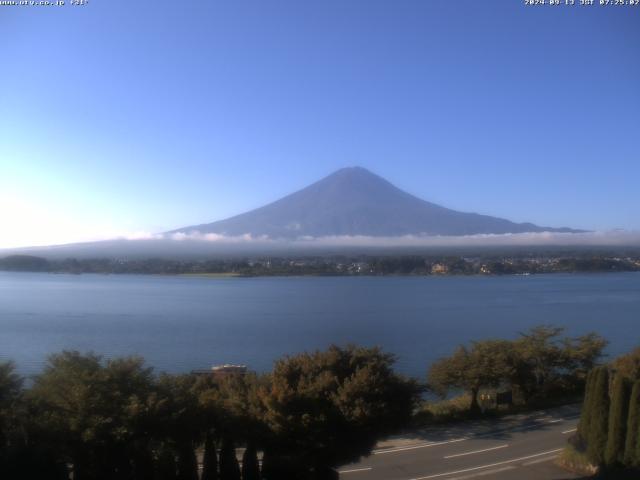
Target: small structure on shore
point(222, 371)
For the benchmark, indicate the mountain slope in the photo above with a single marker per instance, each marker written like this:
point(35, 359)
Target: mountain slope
point(354, 201)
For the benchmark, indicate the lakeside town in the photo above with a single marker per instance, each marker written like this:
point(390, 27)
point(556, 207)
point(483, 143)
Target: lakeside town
point(340, 265)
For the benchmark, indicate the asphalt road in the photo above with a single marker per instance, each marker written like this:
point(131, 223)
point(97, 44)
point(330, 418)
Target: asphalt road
point(519, 447)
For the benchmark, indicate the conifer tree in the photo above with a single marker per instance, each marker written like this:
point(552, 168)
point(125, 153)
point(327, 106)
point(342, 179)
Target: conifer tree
point(210, 460)
point(268, 470)
point(166, 464)
point(618, 417)
point(229, 468)
point(599, 421)
point(187, 463)
point(143, 463)
point(585, 414)
point(250, 467)
point(632, 443)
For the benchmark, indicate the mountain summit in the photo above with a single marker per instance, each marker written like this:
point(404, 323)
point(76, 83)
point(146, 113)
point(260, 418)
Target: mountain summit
point(354, 201)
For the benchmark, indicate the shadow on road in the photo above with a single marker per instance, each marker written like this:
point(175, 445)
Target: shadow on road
point(492, 428)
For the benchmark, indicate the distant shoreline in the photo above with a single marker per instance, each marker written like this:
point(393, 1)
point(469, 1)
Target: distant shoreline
point(337, 265)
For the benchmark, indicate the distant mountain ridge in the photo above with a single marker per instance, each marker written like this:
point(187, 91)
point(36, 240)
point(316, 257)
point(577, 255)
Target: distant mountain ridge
point(355, 202)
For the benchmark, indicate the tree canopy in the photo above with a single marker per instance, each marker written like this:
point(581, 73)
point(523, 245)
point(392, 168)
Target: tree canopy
point(116, 419)
point(537, 363)
point(327, 408)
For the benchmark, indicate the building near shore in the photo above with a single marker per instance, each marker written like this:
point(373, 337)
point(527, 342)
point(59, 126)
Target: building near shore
point(222, 371)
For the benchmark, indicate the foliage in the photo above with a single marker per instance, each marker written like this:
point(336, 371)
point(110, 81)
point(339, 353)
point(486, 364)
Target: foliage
point(115, 419)
point(165, 467)
point(10, 413)
point(442, 411)
point(229, 468)
point(537, 364)
point(187, 462)
point(235, 406)
point(599, 411)
point(576, 460)
point(485, 364)
point(580, 355)
point(250, 465)
point(10, 395)
point(628, 365)
point(328, 408)
point(632, 442)
point(618, 416)
point(209, 460)
point(94, 410)
point(585, 414)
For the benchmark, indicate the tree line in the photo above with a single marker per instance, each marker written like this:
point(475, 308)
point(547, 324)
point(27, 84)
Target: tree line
point(608, 433)
point(333, 265)
point(537, 366)
point(116, 419)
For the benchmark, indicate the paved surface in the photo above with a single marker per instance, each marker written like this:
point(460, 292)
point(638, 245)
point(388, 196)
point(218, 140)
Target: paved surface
point(518, 447)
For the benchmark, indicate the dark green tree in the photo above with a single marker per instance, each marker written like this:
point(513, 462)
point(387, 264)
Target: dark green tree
point(266, 469)
point(210, 459)
point(485, 364)
point(618, 417)
point(92, 412)
point(250, 466)
point(182, 420)
point(10, 398)
point(229, 468)
point(628, 365)
point(10, 418)
point(545, 364)
point(580, 355)
point(540, 349)
point(330, 407)
point(71, 395)
point(599, 423)
point(632, 442)
point(143, 462)
point(166, 467)
point(187, 462)
point(585, 413)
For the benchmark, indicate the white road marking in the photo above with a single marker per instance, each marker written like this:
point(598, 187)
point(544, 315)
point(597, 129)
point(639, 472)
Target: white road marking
point(354, 470)
point(484, 474)
point(540, 460)
point(488, 466)
point(477, 451)
point(556, 420)
point(570, 431)
point(477, 435)
point(462, 439)
point(422, 445)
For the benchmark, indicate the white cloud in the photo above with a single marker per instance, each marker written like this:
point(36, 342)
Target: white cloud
point(29, 223)
point(611, 238)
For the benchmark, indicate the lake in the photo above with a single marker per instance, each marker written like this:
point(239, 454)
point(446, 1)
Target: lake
point(179, 323)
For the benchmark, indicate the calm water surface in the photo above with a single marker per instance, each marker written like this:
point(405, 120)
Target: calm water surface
point(181, 323)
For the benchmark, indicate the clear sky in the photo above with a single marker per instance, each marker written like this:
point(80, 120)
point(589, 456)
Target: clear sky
point(121, 116)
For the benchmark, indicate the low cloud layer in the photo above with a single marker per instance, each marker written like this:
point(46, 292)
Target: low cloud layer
point(608, 238)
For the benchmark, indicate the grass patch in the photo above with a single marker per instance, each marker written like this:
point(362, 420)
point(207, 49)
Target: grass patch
point(576, 461)
point(457, 409)
point(444, 411)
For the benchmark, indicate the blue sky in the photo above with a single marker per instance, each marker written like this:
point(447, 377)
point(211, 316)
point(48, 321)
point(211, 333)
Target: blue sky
point(120, 117)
